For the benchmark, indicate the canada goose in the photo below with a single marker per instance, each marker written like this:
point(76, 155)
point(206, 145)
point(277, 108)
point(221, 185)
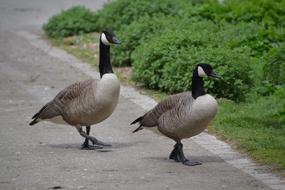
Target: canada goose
point(87, 102)
point(183, 115)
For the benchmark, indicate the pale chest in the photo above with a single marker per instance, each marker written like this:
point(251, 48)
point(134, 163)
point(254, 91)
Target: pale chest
point(106, 97)
point(204, 107)
point(203, 111)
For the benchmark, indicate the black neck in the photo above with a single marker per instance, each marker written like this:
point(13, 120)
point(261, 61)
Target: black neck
point(104, 60)
point(197, 85)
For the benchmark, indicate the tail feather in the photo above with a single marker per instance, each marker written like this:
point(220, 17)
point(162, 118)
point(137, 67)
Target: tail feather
point(138, 129)
point(36, 118)
point(38, 113)
point(136, 121)
point(34, 121)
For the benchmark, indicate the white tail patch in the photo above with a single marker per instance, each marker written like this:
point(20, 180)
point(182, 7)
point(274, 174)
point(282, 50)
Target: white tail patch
point(105, 40)
point(201, 72)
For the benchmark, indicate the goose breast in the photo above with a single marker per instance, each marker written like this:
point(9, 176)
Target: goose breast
point(106, 98)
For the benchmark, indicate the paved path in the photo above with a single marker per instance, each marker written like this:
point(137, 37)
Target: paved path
point(48, 156)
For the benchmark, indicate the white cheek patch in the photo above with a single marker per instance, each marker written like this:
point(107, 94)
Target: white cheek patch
point(105, 40)
point(201, 72)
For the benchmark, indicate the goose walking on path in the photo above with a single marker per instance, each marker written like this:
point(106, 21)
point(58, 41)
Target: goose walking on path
point(183, 115)
point(87, 102)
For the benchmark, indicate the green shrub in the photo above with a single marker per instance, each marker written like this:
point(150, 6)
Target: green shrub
point(262, 11)
point(117, 14)
point(274, 69)
point(241, 39)
point(279, 95)
point(167, 63)
point(75, 20)
point(268, 14)
point(146, 28)
point(142, 31)
point(135, 34)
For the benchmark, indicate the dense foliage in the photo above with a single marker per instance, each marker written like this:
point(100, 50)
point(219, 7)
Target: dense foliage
point(257, 34)
point(120, 13)
point(140, 32)
point(164, 39)
point(167, 63)
point(75, 20)
point(274, 70)
point(266, 12)
point(145, 29)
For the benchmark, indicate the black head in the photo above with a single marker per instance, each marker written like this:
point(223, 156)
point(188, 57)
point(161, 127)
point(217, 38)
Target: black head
point(204, 69)
point(108, 37)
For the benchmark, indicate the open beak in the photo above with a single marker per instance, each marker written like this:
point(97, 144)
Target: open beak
point(213, 74)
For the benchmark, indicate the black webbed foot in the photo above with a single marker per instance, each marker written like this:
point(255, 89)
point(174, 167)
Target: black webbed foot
point(87, 146)
point(100, 143)
point(96, 143)
point(191, 163)
point(177, 155)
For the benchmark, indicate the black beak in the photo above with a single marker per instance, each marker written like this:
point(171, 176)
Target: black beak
point(213, 74)
point(115, 41)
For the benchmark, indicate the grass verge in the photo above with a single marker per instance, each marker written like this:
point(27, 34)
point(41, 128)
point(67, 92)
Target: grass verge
point(252, 128)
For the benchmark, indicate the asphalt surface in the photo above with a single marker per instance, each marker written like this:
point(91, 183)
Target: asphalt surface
point(48, 156)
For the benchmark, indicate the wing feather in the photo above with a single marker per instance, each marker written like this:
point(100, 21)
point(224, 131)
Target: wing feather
point(150, 119)
point(62, 100)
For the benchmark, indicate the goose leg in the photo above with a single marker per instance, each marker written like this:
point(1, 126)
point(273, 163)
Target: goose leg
point(177, 155)
point(96, 142)
point(86, 145)
point(174, 154)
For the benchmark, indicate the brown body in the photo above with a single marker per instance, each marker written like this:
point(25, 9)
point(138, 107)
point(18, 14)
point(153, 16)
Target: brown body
point(181, 116)
point(83, 103)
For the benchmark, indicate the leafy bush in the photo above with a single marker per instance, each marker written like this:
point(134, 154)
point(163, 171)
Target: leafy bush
point(75, 20)
point(167, 63)
point(269, 15)
point(274, 70)
point(267, 12)
point(142, 31)
point(146, 28)
point(120, 13)
point(163, 37)
point(133, 35)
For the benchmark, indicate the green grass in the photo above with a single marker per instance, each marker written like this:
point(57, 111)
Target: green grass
point(254, 128)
